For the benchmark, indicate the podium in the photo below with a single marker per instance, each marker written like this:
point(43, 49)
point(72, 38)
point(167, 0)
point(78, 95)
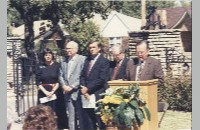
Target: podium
point(148, 92)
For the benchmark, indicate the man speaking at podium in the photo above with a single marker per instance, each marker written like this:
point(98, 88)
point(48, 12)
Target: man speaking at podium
point(144, 67)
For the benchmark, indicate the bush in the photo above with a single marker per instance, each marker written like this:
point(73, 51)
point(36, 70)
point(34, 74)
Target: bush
point(177, 91)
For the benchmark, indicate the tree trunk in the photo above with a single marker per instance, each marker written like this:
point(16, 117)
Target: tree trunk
point(29, 33)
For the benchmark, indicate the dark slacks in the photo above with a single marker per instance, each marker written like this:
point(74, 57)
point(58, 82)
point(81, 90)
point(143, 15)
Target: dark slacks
point(91, 120)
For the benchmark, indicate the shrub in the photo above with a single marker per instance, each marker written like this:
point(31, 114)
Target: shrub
point(177, 91)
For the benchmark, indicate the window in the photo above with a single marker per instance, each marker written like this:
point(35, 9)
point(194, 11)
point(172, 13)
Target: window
point(114, 40)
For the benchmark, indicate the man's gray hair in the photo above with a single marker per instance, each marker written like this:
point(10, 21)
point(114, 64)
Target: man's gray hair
point(75, 44)
point(118, 47)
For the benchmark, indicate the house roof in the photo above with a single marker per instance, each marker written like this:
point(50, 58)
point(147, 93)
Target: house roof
point(116, 24)
point(19, 31)
point(176, 15)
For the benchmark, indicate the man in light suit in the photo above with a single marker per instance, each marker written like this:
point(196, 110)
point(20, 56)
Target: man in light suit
point(144, 67)
point(69, 78)
point(94, 79)
point(118, 66)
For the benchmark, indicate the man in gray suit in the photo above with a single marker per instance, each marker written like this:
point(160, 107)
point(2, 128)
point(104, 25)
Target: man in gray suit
point(144, 67)
point(70, 71)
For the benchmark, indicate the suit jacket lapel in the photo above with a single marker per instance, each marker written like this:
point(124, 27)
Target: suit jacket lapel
point(145, 69)
point(135, 72)
point(95, 64)
point(120, 68)
point(87, 62)
point(112, 70)
point(74, 65)
point(66, 66)
point(135, 64)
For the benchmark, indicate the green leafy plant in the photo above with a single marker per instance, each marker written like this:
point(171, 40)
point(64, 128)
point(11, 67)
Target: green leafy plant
point(177, 91)
point(123, 107)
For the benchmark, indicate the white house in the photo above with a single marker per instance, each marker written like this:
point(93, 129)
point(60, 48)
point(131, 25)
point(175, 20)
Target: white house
point(116, 26)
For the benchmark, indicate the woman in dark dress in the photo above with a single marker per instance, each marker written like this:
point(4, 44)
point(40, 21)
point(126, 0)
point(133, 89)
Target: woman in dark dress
point(47, 82)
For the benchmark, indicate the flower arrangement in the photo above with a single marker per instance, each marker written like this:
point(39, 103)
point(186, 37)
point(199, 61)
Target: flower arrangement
point(123, 107)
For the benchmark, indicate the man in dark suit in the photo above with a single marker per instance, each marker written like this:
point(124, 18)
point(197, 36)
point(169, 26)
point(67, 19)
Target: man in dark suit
point(144, 67)
point(118, 66)
point(94, 79)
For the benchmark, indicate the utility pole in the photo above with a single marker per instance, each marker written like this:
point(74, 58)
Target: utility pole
point(143, 12)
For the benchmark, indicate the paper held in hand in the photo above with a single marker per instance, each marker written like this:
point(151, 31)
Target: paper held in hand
point(91, 103)
point(47, 99)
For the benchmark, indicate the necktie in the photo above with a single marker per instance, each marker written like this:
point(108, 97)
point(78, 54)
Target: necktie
point(140, 71)
point(115, 71)
point(89, 68)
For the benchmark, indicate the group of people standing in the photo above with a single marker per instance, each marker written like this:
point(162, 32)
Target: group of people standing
point(79, 77)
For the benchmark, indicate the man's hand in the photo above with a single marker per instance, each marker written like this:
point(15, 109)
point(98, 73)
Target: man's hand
point(87, 96)
point(67, 89)
point(84, 90)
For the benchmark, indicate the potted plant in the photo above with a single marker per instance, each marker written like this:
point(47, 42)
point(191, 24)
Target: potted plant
point(123, 108)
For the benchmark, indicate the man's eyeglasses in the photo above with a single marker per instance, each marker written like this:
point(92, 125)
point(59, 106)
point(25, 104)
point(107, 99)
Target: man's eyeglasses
point(141, 52)
point(68, 48)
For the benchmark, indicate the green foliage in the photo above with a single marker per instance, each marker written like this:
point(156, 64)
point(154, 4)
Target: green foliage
point(161, 4)
point(133, 8)
point(32, 8)
point(82, 33)
point(123, 106)
point(148, 114)
point(139, 116)
point(131, 112)
point(177, 91)
point(134, 104)
point(13, 17)
point(83, 10)
point(126, 115)
point(57, 50)
point(186, 3)
point(116, 5)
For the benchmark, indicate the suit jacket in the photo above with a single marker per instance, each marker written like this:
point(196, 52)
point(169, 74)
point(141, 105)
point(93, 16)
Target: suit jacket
point(152, 70)
point(122, 69)
point(74, 77)
point(96, 81)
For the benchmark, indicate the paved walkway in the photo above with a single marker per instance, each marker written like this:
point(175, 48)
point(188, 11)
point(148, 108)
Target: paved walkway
point(11, 103)
point(176, 120)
